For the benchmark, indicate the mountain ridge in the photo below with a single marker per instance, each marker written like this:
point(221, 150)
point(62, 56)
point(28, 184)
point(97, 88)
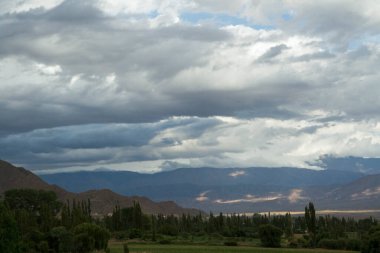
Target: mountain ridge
point(102, 201)
point(229, 189)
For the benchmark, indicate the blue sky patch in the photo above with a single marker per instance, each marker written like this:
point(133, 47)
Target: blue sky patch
point(221, 19)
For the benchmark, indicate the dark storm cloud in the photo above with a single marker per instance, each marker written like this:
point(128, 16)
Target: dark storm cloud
point(272, 53)
point(313, 56)
point(81, 40)
point(260, 101)
point(74, 11)
point(78, 145)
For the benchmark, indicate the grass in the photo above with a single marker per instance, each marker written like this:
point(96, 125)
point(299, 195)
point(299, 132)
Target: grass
point(117, 247)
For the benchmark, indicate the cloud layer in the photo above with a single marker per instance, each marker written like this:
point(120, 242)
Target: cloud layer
point(150, 85)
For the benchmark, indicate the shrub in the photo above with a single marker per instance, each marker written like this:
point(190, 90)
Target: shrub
point(230, 243)
point(332, 244)
point(135, 233)
point(185, 235)
point(270, 236)
point(120, 235)
point(43, 247)
point(169, 229)
point(165, 241)
point(372, 243)
point(60, 239)
point(293, 243)
point(83, 243)
point(302, 242)
point(353, 244)
point(98, 234)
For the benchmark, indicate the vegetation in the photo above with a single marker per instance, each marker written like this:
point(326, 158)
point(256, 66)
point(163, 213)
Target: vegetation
point(270, 236)
point(308, 231)
point(9, 236)
point(311, 223)
point(372, 242)
point(34, 221)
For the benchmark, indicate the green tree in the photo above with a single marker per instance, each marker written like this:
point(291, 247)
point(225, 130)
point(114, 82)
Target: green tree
point(311, 222)
point(83, 243)
point(288, 226)
point(61, 240)
point(97, 234)
point(9, 235)
point(34, 209)
point(75, 213)
point(270, 236)
point(372, 243)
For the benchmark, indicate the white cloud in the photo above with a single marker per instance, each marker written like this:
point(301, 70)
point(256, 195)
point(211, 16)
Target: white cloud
point(296, 195)
point(366, 193)
point(250, 199)
point(202, 197)
point(49, 70)
point(280, 96)
point(237, 173)
point(15, 6)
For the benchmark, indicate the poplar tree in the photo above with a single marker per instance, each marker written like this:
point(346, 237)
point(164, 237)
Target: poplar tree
point(311, 222)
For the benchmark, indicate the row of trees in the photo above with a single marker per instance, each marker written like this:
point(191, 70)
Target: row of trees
point(35, 221)
point(322, 231)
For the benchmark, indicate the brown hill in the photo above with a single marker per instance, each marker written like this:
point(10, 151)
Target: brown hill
point(102, 201)
point(16, 177)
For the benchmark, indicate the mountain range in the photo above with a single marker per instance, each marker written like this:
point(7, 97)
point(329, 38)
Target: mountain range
point(209, 189)
point(238, 190)
point(103, 201)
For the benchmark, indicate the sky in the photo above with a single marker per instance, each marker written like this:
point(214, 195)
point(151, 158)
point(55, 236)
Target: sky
point(157, 85)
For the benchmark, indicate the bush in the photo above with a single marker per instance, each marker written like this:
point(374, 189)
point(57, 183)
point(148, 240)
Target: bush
point(169, 229)
point(230, 243)
point(120, 235)
point(135, 233)
point(372, 244)
point(353, 244)
point(270, 236)
point(125, 248)
point(293, 244)
point(60, 239)
point(185, 235)
point(165, 241)
point(98, 234)
point(83, 243)
point(43, 247)
point(332, 244)
point(303, 243)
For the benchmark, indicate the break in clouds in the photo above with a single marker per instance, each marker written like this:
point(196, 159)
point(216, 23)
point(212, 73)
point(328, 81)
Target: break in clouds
point(155, 85)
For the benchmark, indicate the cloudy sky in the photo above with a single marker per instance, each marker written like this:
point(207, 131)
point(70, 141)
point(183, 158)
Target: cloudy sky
point(155, 85)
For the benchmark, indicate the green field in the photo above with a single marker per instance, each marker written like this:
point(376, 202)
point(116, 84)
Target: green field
point(155, 248)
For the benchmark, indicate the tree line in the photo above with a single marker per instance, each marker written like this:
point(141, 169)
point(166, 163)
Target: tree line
point(35, 221)
point(273, 230)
